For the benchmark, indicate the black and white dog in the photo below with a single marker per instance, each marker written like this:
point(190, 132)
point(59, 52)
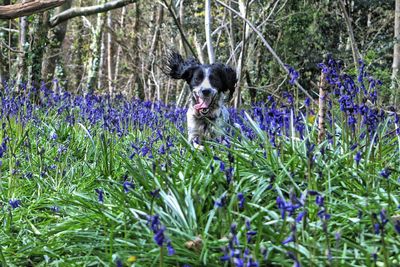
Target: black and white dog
point(211, 86)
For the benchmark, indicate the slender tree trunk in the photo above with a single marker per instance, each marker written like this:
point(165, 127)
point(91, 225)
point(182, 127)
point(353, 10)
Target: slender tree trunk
point(21, 72)
point(119, 49)
point(110, 54)
point(207, 26)
point(100, 79)
point(38, 48)
point(4, 66)
point(347, 19)
point(243, 7)
point(78, 55)
point(94, 57)
point(137, 25)
point(153, 48)
point(396, 54)
point(53, 55)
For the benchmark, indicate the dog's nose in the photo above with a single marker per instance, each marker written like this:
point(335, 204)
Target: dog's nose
point(206, 92)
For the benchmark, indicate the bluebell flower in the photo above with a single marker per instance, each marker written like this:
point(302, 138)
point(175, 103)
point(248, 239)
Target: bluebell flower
point(221, 202)
point(241, 199)
point(300, 216)
point(14, 203)
point(100, 195)
point(159, 236)
point(128, 186)
point(357, 157)
point(397, 226)
point(385, 173)
point(55, 209)
point(289, 239)
point(307, 102)
point(171, 250)
point(294, 75)
point(155, 193)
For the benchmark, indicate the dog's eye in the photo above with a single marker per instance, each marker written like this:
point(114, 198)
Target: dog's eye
point(197, 79)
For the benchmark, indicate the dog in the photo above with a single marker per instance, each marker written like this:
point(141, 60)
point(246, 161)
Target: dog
point(211, 86)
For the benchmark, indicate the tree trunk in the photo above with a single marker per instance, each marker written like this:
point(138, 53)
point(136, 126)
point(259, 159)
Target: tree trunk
point(243, 7)
point(354, 49)
point(110, 54)
point(396, 54)
point(159, 14)
point(207, 26)
point(21, 72)
point(137, 84)
point(119, 49)
point(53, 55)
point(94, 57)
point(4, 65)
point(78, 55)
point(38, 47)
point(100, 79)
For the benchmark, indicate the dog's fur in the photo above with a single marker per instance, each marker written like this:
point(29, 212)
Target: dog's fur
point(211, 86)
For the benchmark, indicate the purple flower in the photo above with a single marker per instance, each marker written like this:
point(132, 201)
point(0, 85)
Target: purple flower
point(159, 236)
point(55, 209)
point(357, 157)
point(397, 226)
point(100, 195)
point(288, 240)
point(250, 234)
point(294, 75)
point(128, 186)
point(385, 173)
point(221, 202)
point(307, 102)
point(14, 203)
point(241, 199)
point(155, 193)
point(319, 200)
point(171, 250)
point(300, 216)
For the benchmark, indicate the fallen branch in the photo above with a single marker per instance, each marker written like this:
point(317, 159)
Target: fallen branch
point(28, 8)
point(86, 11)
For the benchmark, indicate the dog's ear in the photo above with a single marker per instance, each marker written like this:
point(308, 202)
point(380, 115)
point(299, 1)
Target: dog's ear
point(178, 68)
point(230, 80)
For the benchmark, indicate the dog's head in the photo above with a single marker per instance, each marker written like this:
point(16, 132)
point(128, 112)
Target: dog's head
point(209, 83)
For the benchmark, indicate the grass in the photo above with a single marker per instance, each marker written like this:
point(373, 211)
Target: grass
point(303, 203)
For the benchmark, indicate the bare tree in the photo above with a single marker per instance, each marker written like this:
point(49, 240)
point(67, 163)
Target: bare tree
point(207, 26)
point(396, 52)
point(22, 48)
point(52, 56)
point(243, 7)
point(110, 54)
point(119, 49)
point(93, 62)
point(347, 19)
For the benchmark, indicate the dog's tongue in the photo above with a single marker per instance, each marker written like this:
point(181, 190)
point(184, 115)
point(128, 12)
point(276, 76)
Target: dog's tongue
point(203, 104)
